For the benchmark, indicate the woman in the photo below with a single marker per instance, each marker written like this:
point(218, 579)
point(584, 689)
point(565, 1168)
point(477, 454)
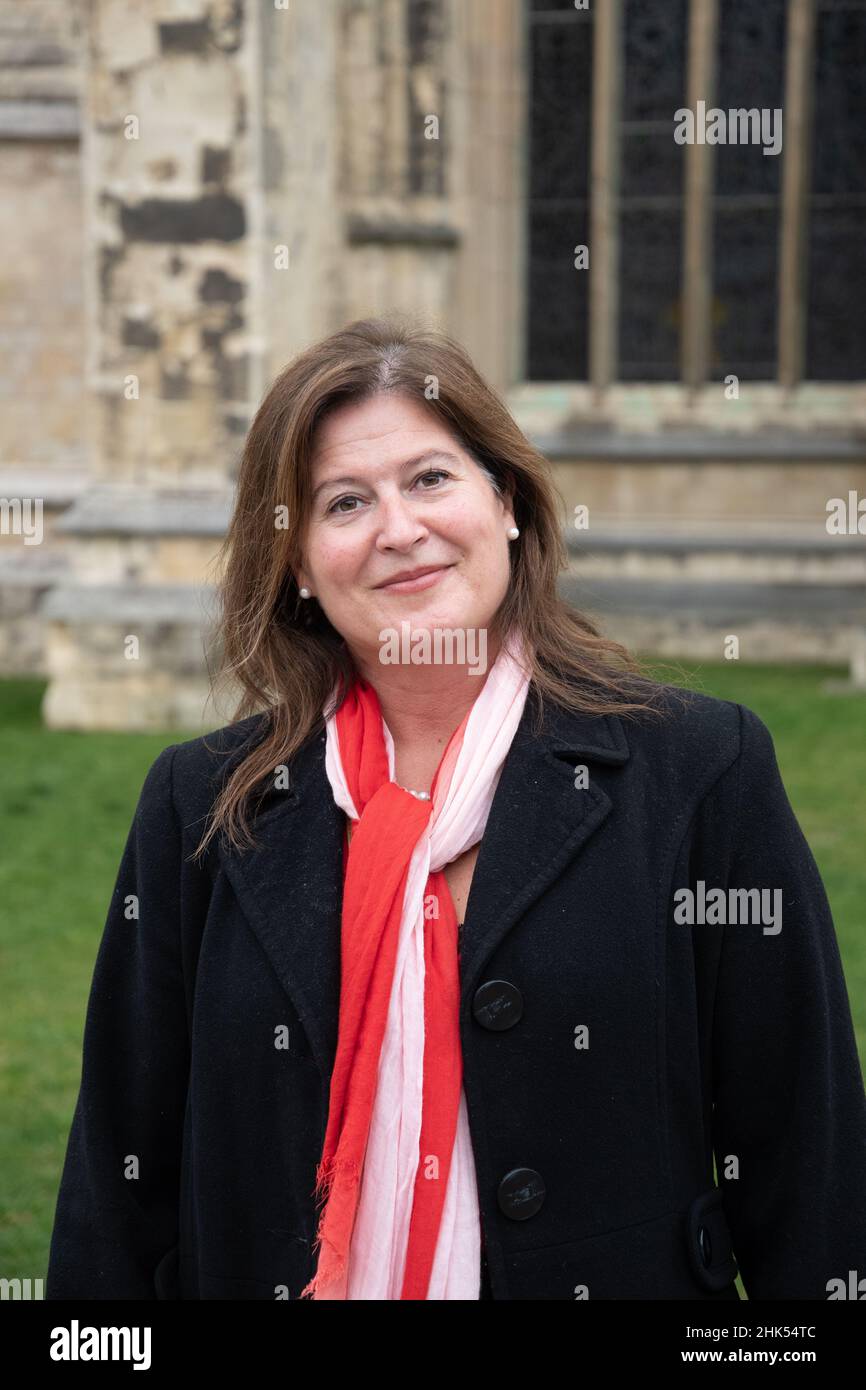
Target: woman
point(300, 1079)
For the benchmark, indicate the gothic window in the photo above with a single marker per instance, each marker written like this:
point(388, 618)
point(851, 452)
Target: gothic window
point(704, 258)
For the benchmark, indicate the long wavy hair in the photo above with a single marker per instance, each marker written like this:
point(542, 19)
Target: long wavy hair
point(282, 650)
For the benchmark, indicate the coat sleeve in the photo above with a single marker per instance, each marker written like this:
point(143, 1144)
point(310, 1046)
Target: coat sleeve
point(789, 1102)
point(117, 1207)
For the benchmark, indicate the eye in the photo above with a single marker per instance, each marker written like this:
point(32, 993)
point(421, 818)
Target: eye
point(431, 473)
point(336, 507)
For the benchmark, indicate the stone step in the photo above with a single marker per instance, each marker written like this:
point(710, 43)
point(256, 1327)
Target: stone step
point(771, 477)
point(34, 500)
point(27, 575)
point(97, 680)
point(58, 488)
point(122, 534)
point(715, 554)
point(802, 623)
point(125, 509)
point(79, 605)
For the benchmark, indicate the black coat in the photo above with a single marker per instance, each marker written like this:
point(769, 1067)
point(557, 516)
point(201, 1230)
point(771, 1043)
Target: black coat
point(594, 1163)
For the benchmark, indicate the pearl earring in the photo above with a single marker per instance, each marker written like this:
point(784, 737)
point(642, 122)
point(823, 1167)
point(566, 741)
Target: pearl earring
point(305, 593)
point(512, 533)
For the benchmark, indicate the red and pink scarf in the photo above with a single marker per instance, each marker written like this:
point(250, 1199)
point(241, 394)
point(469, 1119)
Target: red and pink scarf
point(397, 1173)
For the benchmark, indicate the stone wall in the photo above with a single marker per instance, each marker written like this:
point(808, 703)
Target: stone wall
point(168, 181)
point(42, 418)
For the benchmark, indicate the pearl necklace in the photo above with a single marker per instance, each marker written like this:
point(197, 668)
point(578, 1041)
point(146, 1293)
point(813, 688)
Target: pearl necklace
point(422, 796)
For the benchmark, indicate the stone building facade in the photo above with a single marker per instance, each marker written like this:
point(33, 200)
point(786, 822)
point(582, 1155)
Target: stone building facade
point(200, 188)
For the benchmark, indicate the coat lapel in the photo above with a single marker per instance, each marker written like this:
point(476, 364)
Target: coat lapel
point(538, 822)
point(292, 898)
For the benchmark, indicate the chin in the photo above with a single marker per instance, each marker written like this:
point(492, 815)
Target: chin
point(421, 620)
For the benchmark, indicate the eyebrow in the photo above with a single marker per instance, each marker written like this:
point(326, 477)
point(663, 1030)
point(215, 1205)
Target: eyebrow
point(426, 457)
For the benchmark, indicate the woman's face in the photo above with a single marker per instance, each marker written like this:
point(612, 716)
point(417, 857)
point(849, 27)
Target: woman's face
point(380, 510)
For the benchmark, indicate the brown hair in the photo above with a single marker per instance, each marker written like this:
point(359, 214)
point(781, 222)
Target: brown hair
point(283, 651)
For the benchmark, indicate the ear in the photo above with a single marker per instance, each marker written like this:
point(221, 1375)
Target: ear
point(508, 503)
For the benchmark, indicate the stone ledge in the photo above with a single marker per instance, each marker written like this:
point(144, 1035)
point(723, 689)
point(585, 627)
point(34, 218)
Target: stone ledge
point(834, 409)
point(25, 50)
point(33, 566)
point(58, 487)
point(81, 605)
point(832, 605)
point(134, 510)
point(40, 120)
point(688, 542)
point(369, 228)
point(698, 446)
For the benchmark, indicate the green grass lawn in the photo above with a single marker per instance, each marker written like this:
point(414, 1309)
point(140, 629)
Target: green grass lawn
point(65, 811)
point(820, 742)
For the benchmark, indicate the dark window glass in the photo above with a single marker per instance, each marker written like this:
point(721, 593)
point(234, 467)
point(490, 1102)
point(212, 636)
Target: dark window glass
point(836, 296)
point(746, 205)
point(651, 183)
point(559, 45)
point(427, 159)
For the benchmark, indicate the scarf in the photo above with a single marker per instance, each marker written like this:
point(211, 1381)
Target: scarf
point(397, 1174)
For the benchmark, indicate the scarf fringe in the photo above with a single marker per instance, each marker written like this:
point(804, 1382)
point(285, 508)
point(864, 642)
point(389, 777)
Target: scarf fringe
point(326, 1174)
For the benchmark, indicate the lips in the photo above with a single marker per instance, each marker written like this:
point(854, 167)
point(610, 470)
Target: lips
point(408, 576)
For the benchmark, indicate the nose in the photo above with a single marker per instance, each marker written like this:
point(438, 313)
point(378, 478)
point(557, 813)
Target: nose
point(399, 525)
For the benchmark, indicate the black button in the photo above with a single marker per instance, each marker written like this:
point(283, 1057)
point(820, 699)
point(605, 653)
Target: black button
point(705, 1245)
point(497, 1005)
point(708, 1242)
point(521, 1193)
